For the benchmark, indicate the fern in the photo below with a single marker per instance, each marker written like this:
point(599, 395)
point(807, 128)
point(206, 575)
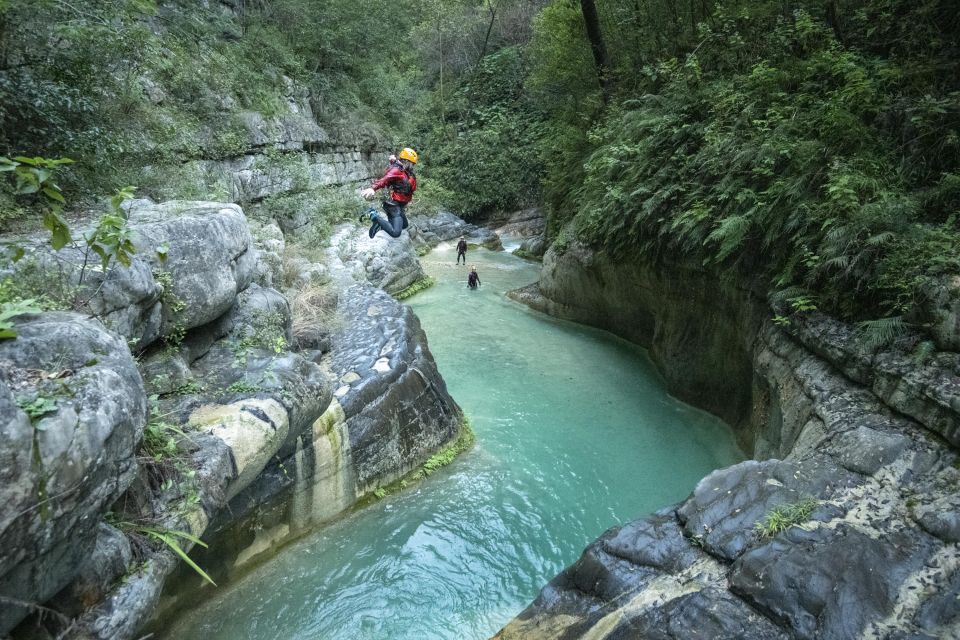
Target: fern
point(879, 333)
point(730, 234)
point(924, 351)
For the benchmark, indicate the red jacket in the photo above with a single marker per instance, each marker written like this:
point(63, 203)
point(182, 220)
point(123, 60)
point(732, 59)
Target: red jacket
point(402, 184)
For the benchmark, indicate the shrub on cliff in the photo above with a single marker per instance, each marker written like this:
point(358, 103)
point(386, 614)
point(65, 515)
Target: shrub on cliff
point(818, 147)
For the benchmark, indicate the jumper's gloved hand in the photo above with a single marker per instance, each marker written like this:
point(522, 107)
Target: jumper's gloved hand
point(367, 193)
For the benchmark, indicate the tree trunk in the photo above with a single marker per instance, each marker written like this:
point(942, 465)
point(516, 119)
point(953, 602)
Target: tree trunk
point(833, 19)
point(600, 57)
point(486, 39)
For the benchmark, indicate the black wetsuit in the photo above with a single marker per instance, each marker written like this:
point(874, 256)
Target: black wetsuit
point(473, 280)
point(462, 251)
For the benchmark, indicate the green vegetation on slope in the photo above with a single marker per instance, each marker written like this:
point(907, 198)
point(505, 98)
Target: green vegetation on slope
point(819, 150)
point(813, 144)
point(121, 84)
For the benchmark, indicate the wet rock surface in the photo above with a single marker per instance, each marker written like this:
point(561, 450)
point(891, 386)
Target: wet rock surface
point(429, 231)
point(844, 527)
point(396, 405)
point(699, 331)
point(249, 443)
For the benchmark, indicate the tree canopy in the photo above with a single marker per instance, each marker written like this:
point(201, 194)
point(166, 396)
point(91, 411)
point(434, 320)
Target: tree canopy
point(814, 144)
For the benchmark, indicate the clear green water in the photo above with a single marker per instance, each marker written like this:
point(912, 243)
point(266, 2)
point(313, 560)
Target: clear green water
point(575, 433)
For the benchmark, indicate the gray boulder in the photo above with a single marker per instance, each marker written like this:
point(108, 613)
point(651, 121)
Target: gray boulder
point(525, 223)
point(533, 248)
point(445, 226)
point(109, 561)
point(210, 257)
point(385, 262)
point(395, 403)
point(271, 247)
point(62, 465)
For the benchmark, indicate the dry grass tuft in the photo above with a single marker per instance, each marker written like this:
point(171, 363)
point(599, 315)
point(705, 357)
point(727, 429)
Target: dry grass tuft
point(314, 311)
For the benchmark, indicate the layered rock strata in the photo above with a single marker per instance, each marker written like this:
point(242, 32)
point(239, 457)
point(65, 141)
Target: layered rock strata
point(846, 525)
point(248, 442)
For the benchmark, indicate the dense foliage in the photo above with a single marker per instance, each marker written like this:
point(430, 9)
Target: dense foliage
point(120, 84)
point(812, 143)
point(489, 156)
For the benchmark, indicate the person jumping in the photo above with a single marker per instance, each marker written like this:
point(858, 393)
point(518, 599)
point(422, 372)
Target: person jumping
point(401, 182)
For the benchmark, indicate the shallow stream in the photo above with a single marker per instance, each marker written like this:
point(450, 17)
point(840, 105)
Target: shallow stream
point(575, 433)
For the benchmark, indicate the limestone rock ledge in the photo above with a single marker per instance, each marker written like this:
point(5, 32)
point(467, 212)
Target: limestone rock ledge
point(699, 331)
point(396, 406)
point(261, 439)
point(865, 439)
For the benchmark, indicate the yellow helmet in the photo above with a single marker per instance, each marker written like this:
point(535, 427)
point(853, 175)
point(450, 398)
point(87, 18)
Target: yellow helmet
point(408, 154)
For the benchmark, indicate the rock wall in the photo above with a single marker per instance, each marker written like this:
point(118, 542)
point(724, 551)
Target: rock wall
point(277, 154)
point(73, 409)
point(700, 328)
point(845, 527)
point(254, 176)
point(249, 440)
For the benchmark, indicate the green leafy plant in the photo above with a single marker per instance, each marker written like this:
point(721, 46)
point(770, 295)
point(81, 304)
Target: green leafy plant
point(190, 387)
point(36, 176)
point(171, 539)
point(266, 332)
point(160, 437)
point(10, 310)
point(37, 407)
point(112, 238)
point(173, 305)
point(877, 334)
point(784, 516)
point(241, 386)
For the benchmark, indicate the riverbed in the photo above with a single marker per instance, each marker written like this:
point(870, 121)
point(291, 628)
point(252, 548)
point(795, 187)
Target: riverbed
point(575, 433)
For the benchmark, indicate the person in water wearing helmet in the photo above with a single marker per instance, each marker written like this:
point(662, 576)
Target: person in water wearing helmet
point(473, 280)
point(400, 182)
